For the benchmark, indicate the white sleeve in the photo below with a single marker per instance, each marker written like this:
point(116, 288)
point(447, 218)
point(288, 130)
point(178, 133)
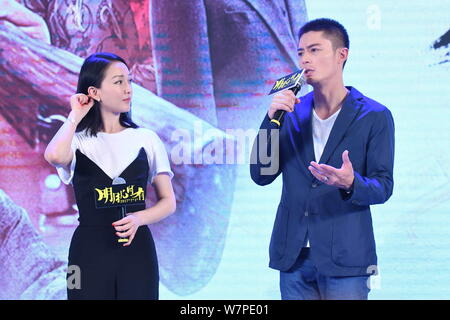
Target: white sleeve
point(158, 162)
point(66, 173)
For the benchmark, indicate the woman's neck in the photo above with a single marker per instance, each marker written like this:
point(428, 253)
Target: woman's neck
point(111, 123)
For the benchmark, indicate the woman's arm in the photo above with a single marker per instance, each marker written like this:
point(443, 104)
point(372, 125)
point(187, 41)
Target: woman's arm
point(59, 151)
point(165, 206)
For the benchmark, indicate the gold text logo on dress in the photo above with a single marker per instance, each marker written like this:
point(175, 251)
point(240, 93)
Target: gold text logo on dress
point(119, 195)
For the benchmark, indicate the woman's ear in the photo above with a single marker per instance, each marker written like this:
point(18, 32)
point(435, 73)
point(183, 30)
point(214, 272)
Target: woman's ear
point(94, 94)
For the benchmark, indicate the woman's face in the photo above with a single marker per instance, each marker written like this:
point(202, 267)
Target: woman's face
point(115, 90)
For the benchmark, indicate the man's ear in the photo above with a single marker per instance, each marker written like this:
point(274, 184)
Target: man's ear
point(343, 54)
point(93, 92)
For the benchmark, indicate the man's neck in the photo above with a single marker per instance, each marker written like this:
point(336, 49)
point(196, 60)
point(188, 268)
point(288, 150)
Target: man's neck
point(328, 99)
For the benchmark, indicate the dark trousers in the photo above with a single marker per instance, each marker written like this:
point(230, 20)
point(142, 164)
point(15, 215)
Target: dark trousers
point(109, 271)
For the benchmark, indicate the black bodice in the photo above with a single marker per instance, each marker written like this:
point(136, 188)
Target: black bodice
point(88, 175)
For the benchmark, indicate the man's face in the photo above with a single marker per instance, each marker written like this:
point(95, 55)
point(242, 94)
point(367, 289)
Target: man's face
point(319, 59)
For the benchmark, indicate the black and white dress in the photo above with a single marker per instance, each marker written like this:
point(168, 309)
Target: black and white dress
point(108, 269)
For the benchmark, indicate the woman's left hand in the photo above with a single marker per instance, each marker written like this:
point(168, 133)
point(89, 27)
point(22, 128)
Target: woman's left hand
point(127, 227)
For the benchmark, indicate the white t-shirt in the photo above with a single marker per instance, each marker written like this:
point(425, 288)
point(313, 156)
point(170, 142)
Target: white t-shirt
point(113, 152)
point(321, 131)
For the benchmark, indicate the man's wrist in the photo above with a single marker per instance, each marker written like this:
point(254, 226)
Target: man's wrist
point(349, 189)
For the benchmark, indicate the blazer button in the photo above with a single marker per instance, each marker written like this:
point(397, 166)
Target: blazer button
point(314, 185)
point(355, 202)
point(306, 213)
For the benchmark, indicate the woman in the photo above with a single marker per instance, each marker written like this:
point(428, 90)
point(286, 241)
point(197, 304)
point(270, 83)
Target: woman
point(97, 144)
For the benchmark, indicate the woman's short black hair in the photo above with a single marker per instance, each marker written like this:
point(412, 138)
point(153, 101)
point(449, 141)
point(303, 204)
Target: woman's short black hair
point(92, 73)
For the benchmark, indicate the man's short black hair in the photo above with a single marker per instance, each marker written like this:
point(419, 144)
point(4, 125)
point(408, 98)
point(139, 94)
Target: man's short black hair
point(332, 30)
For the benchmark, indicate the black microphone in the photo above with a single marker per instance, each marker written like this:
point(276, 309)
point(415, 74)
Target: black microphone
point(123, 209)
point(294, 82)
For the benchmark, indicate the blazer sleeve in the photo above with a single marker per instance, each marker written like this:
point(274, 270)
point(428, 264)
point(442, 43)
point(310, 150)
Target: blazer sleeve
point(377, 186)
point(265, 160)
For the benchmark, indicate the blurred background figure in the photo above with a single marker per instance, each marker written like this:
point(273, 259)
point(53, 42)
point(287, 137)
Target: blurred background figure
point(219, 58)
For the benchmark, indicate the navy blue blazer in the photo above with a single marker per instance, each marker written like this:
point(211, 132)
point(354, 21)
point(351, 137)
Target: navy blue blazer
point(339, 225)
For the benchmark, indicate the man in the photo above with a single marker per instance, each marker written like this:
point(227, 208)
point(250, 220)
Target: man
point(336, 154)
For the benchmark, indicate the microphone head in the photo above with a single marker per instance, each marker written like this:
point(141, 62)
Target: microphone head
point(118, 180)
point(301, 78)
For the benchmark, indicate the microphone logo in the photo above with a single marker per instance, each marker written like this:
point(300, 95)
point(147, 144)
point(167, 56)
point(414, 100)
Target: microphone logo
point(291, 80)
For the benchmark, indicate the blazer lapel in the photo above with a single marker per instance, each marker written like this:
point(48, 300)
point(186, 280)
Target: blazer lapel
point(300, 132)
point(278, 23)
point(346, 116)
